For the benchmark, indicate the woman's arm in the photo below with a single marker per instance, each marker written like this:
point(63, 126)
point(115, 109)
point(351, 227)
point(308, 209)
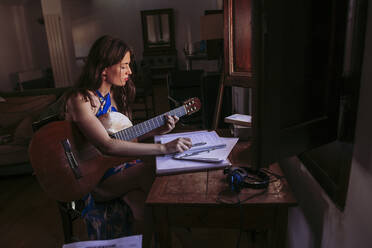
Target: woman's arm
point(81, 113)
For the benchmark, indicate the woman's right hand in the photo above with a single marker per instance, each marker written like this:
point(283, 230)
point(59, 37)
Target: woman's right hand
point(178, 145)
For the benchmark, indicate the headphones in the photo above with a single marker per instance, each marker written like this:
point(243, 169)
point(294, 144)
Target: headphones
point(246, 177)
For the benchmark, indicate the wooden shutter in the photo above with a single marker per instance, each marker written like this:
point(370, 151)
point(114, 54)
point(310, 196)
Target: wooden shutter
point(297, 99)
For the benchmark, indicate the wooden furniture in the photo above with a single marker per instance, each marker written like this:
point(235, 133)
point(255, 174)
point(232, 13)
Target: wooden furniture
point(33, 79)
point(191, 57)
point(301, 63)
point(143, 105)
point(181, 85)
point(158, 30)
point(190, 200)
point(159, 51)
point(239, 47)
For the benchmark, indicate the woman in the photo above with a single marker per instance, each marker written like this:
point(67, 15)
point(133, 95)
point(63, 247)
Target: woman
point(105, 86)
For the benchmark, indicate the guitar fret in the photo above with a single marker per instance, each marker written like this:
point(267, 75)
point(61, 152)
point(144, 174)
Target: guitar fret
point(117, 135)
point(127, 135)
point(152, 124)
point(145, 124)
point(135, 128)
point(130, 136)
point(142, 128)
point(161, 120)
point(123, 134)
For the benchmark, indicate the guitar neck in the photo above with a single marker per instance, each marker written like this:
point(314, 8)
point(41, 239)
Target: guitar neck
point(147, 126)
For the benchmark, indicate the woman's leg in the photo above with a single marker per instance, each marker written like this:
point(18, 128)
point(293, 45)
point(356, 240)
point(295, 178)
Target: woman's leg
point(138, 177)
point(132, 185)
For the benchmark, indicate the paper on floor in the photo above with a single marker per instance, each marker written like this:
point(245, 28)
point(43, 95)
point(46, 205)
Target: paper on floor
point(125, 242)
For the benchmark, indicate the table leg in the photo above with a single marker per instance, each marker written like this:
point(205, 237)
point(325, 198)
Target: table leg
point(162, 227)
point(279, 233)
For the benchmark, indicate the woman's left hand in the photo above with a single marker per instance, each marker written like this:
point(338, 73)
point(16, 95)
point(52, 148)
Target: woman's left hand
point(170, 123)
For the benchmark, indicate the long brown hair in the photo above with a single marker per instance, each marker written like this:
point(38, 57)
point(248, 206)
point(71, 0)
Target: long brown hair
point(105, 52)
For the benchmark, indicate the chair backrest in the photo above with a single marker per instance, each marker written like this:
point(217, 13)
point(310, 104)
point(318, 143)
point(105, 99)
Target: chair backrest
point(68, 210)
point(34, 79)
point(184, 84)
point(185, 79)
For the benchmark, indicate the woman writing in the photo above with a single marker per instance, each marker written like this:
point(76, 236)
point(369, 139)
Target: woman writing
point(105, 86)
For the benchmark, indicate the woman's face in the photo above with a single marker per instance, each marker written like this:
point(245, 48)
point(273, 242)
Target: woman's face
point(119, 74)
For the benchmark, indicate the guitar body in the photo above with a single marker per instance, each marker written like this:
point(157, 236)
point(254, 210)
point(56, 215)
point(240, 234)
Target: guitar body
point(52, 167)
point(68, 167)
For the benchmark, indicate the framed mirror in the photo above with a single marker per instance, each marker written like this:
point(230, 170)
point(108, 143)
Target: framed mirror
point(158, 30)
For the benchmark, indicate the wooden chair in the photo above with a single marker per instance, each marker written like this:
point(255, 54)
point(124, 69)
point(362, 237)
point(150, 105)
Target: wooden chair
point(183, 85)
point(143, 105)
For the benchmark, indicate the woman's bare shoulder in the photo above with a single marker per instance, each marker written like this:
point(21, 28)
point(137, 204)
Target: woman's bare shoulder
point(78, 101)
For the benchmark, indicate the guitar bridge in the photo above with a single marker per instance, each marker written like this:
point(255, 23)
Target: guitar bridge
point(71, 158)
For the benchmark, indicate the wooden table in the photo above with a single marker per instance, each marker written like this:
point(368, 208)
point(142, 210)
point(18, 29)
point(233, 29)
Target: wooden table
point(191, 200)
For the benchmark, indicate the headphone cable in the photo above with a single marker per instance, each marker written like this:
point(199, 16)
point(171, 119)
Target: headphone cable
point(241, 222)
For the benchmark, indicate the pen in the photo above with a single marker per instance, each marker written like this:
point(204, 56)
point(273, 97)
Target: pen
point(199, 144)
point(196, 144)
point(198, 151)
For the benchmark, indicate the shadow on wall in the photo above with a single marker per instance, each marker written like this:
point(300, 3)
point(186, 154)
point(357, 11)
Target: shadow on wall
point(305, 222)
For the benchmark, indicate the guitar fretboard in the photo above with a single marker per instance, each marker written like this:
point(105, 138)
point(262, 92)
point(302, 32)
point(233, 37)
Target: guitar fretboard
point(147, 126)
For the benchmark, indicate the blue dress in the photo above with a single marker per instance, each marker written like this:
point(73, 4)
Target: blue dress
point(112, 219)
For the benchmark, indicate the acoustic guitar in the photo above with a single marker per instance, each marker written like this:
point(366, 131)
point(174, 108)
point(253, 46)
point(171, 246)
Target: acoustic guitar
point(68, 167)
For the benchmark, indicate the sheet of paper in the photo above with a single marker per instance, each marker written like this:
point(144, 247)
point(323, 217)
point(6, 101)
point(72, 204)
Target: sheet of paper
point(240, 119)
point(210, 138)
point(126, 242)
point(167, 165)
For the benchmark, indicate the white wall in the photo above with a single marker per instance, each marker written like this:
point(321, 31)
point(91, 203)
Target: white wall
point(23, 42)
point(90, 19)
point(317, 222)
point(93, 18)
point(9, 53)
point(39, 44)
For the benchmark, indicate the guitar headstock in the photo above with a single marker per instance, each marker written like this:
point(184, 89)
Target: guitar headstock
point(192, 105)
